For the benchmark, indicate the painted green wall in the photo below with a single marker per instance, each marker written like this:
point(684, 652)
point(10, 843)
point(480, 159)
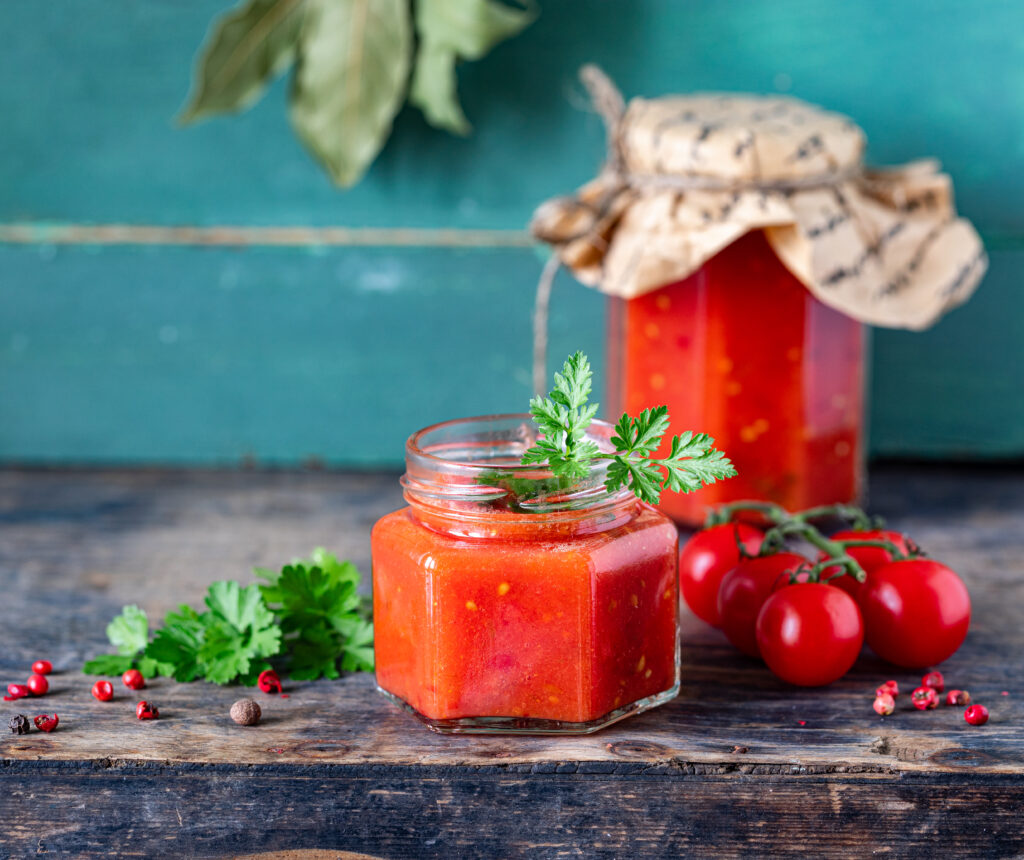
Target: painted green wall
point(188, 354)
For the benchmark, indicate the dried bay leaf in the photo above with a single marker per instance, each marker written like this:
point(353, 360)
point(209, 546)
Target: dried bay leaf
point(434, 89)
point(244, 51)
point(350, 80)
point(451, 30)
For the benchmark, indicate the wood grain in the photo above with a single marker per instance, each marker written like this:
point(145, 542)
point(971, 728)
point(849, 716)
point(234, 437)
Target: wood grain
point(739, 764)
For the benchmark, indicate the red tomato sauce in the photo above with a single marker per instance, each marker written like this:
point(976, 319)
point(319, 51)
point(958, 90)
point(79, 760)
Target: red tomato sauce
point(550, 622)
point(742, 350)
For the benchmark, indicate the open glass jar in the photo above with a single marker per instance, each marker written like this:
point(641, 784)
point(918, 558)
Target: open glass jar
point(507, 602)
point(744, 351)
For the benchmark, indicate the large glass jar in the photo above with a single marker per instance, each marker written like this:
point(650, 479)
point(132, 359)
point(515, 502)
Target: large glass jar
point(743, 351)
point(506, 603)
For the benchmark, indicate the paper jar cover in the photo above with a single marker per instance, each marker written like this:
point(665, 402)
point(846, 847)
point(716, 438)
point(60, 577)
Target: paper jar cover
point(688, 175)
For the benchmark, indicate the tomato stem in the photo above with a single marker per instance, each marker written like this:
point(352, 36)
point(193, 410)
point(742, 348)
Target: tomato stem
point(799, 525)
point(835, 550)
point(880, 543)
point(858, 518)
point(777, 514)
point(724, 513)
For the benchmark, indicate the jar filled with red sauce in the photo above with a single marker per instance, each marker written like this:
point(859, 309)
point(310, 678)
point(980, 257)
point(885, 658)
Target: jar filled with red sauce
point(743, 350)
point(507, 602)
point(745, 246)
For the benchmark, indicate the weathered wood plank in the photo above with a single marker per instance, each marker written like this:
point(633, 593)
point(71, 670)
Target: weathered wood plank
point(420, 813)
point(727, 703)
point(220, 357)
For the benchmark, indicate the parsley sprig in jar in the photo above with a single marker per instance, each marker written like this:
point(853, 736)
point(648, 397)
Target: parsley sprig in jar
point(530, 585)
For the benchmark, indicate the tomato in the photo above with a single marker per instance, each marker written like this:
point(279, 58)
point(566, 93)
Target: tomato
point(916, 612)
point(744, 590)
point(810, 634)
point(868, 557)
point(706, 558)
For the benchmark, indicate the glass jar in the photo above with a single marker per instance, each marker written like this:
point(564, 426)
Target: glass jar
point(743, 351)
point(505, 601)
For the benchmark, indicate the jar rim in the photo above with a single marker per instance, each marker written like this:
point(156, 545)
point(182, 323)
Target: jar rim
point(490, 447)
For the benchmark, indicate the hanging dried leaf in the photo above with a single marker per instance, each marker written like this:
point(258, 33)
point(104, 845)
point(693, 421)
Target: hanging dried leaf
point(350, 80)
point(433, 89)
point(245, 49)
point(450, 30)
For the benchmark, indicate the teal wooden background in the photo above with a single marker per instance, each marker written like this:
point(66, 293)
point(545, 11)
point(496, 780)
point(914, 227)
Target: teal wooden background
point(146, 352)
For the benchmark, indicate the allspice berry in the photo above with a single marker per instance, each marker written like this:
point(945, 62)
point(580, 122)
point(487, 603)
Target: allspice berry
point(19, 724)
point(246, 712)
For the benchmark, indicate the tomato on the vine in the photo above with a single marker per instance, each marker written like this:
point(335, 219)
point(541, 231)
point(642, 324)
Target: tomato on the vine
point(810, 633)
point(916, 612)
point(744, 590)
point(868, 557)
point(706, 558)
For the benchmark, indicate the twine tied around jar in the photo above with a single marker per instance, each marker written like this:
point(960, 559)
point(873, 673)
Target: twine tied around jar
point(685, 176)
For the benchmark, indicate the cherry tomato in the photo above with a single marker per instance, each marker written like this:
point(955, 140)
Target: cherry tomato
point(916, 612)
point(706, 558)
point(868, 557)
point(810, 634)
point(744, 590)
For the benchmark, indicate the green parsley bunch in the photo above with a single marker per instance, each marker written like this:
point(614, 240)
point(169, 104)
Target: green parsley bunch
point(309, 618)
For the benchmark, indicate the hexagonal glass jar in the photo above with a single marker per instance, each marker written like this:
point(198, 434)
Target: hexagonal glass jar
point(508, 602)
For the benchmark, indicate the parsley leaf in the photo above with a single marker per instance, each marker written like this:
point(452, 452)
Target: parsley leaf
point(175, 648)
point(129, 631)
point(358, 656)
point(223, 644)
point(322, 616)
point(641, 435)
point(108, 664)
point(638, 475)
point(227, 652)
point(563, 418)
point(519, 489)
point(693, 463)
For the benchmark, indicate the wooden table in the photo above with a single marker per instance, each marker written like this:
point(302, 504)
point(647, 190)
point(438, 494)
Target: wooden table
point(739, 763)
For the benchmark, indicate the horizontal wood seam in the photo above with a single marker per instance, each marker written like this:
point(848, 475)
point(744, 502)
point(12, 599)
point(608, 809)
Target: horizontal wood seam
point(38, 233)
point(284, 236)
point(14, 769)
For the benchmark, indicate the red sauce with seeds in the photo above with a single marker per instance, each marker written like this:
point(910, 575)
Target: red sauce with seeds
point(563, 622)
point(743, 351)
